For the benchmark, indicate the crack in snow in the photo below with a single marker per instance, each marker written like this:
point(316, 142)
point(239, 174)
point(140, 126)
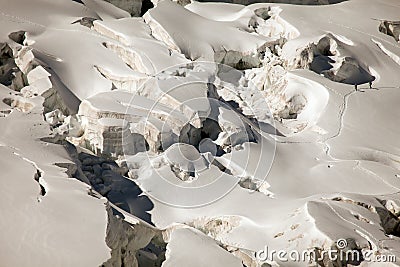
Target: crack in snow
point(362, 32)
point(387, 52)
point(342, 112)
point(37, 176)
point(375, 175)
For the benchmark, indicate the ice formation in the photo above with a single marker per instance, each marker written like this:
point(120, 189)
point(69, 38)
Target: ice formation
point(183, 133)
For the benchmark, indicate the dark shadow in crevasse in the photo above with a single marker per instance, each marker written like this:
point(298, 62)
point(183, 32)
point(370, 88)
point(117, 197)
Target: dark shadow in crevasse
point(146, 5)
point(110, 180)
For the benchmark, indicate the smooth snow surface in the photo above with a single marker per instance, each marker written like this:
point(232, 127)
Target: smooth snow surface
point(199, 134)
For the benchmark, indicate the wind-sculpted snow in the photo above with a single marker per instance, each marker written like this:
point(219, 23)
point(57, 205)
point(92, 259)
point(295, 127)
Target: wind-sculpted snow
point(184, 241)
point(235, 47)
point(201, 134)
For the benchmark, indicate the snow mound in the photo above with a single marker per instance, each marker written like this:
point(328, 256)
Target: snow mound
point(234, 48)
point(332, 57)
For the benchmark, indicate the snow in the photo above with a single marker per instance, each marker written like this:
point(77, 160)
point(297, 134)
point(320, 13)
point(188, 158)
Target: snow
point(51, 228)
point(203, 44)
point(197, 134)
point(185, 241)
